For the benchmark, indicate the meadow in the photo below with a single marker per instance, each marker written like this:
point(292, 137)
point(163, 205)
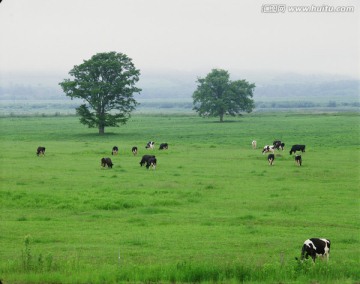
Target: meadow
point(213, 211)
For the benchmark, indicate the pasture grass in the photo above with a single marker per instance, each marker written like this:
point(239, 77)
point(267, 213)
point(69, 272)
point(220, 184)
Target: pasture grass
point(212, 211)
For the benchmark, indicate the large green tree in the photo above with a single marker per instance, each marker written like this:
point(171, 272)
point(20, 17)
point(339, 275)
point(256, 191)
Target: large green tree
point(216, 95)
point(106, 84)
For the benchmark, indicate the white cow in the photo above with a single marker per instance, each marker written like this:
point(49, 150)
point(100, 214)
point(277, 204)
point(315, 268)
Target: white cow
point(253, 143)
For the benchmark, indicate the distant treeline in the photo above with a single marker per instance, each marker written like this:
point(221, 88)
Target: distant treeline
point(47, 108)
point(175, 95)
point(30, 92)
point(258, 104)
point(345, 88)
point(304, 104)
point(339, 91)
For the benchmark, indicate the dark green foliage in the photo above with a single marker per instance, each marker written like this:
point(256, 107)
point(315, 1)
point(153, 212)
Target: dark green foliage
point(217, 96)
point(106, 83)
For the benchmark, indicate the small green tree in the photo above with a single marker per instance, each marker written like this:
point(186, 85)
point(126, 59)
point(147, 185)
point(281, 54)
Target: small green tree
point(106, 82)
point(217, 96)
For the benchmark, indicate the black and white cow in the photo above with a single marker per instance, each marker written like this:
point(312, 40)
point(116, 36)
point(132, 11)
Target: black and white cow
point(150, 145)
point(106, 162)
point(115, 150)
point(271, 158)
point(295, 148)
point(163, 146)
point(40, 151)
point(134, 150)
point(151, 162)
point(145, 159)
point(268, 148)
point(298, 160)
point(278, 145)
point(314, 248)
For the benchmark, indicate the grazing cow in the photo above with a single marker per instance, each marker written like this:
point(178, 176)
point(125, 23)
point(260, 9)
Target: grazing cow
point(298, 160)
point(267, 149)
point(115, 150)
point(40, 151)
point(163, 146)
point(134, 150)
point(253, 143)
point(145, 159)
point(315, 247)
point(271, 158)
point(295, 148)
point(151, 162)
point(106, 162)
point(150, 145)
point(278, 145)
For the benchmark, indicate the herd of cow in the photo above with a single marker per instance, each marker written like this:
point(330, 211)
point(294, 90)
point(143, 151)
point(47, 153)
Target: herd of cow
point(313, 247)
point(147, 160)
point(277, 144)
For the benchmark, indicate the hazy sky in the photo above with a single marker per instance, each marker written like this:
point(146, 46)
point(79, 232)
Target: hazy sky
point(185, 35)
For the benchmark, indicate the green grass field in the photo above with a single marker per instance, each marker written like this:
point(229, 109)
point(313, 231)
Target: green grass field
point(212, 211)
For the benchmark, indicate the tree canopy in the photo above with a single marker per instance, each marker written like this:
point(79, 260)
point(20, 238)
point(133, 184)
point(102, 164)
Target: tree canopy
point(106, 83)
point(216, 95)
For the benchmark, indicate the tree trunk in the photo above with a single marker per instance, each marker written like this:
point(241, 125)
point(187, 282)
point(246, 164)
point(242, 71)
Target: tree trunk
point(221, 118)
point(101, 122)
point(101, 129)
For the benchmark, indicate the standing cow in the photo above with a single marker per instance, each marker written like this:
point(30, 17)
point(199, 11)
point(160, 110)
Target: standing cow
point(150, 145)
point(151, 162)
point(253, 144)
point(145, 159)
point(268, 148)
point(278, 145)
point(314, 248)
point(106, 162)
point(164, 146)
point(115, 150)
point(40, 151)
point(134, 150)
point(295, 148)
point(298, 160)
point(271, 158)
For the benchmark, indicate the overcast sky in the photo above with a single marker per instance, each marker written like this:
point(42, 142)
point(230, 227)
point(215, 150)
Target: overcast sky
point(184, 35)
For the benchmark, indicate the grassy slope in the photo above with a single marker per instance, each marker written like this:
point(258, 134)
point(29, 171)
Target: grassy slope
point(212, 200)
